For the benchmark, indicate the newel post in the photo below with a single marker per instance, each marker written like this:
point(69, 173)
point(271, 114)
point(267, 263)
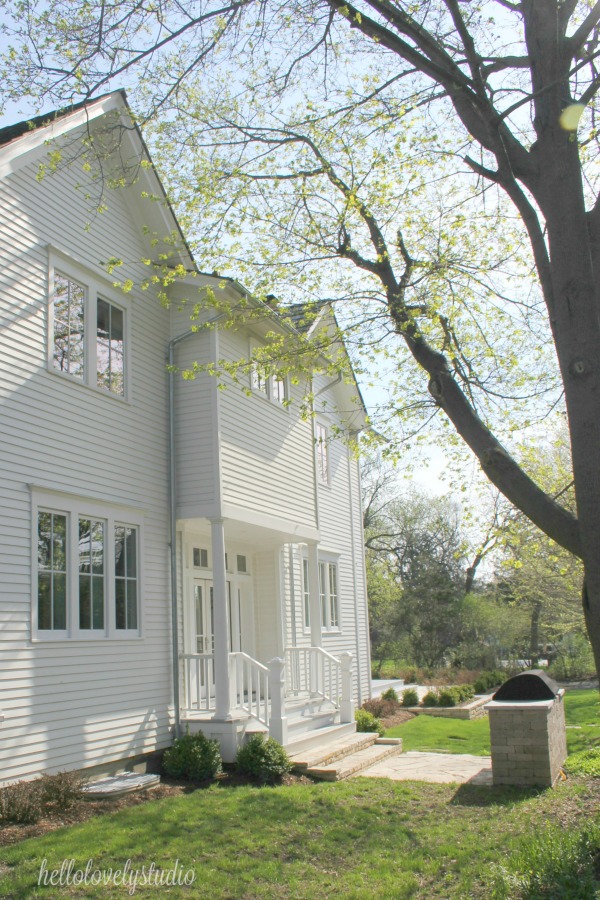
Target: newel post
point(347, 704)
point(278, 719)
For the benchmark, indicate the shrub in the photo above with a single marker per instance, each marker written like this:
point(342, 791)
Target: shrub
point(390, 695)
point(367, 722)
point(193, 756)
point(61, 791)
point(464, 692)
point(410, 697)
point(488, 680)
point(410, 676)
point(381, 708)
point(21, 803)
point(585, 762)
point(448, 697)
point(431, 698)
point(265, 760)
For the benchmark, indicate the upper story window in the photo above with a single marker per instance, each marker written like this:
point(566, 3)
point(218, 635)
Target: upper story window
point(274, 387)
point(110, 347)
point(322, 448)
point(87, 577)
point(88, 332)
point(69, 326)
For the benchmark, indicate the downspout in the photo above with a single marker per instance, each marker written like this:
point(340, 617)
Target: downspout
point(354, 561)
point(173, 520)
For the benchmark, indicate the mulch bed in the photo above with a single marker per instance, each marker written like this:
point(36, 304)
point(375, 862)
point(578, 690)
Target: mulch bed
point(89, 809)
point(397, 719)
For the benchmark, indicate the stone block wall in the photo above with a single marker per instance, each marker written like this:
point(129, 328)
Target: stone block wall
point(529, 741)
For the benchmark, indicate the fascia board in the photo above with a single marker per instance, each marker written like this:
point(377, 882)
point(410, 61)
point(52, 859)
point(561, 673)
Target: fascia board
point(23, 150)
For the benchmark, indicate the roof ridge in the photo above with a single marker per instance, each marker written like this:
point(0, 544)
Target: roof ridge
point(26, 126)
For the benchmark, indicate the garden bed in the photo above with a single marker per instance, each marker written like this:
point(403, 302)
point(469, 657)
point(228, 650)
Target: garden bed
point(473, 709)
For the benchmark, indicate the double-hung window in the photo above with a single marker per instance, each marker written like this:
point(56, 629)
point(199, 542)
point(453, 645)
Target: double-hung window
point(87, 569)
point(328, 594)
point(88, 330)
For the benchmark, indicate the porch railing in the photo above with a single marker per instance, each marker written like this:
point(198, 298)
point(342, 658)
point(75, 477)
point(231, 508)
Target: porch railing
point(199, 681)
point(314, 672)
point(250, 686)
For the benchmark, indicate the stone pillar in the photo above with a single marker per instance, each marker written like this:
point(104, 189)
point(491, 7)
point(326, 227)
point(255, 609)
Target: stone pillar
point(528, 740)
point(220, 621)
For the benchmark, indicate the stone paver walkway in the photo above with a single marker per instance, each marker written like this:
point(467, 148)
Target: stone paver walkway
point(440, 768)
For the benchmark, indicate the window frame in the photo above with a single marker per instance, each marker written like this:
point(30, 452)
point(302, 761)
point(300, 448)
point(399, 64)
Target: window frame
point(326, 562)
point(262, 385)
point(112, 515)
point(95, 288)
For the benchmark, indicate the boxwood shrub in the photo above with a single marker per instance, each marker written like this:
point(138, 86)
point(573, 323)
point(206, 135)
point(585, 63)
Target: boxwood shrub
point(194, 757)
point(264, 760)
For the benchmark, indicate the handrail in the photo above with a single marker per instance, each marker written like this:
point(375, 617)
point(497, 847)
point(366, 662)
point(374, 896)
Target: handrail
point(250, 686)
point(199, 681)
point(315, 672)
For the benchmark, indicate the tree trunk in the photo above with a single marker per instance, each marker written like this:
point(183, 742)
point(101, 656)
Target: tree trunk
point(534, 638)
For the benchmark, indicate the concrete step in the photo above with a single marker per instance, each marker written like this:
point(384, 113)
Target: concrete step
point(300, 708)
point(318, 737)
point(355, 762)
point(315, 722)
point(331, 749)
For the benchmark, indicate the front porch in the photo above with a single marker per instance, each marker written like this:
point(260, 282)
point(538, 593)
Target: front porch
point(251, 657)
point(291, 698)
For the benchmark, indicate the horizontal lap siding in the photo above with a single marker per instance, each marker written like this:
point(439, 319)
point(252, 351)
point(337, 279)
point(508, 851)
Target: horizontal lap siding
point(340, 526)
point(194, 433)
point(72, 704)
point(266, 451)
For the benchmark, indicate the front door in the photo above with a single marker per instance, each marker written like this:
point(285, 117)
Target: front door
point(204, 628)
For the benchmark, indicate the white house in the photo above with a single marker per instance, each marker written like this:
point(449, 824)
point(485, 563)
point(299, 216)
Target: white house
point(172, 555)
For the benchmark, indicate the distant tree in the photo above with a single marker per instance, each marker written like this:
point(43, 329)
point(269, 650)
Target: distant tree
point(295, 154)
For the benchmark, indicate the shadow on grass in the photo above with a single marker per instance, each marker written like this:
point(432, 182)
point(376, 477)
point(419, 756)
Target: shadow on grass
point(488, 795)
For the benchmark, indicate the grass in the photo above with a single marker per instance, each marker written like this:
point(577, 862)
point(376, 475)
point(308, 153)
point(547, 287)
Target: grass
point(582, 709)
point(363, 838)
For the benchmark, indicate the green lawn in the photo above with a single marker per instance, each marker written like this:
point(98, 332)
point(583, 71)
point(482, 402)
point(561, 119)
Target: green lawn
point(582, 709)
point(358, 839)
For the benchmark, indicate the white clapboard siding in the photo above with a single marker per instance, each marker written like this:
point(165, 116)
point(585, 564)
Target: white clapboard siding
point(76, 703)
point(194, 432)
point(340, 526)
point(266, 449)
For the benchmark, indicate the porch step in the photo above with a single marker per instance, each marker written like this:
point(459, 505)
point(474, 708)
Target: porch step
point(327, 751)
point(355, 761)
point(318, 738)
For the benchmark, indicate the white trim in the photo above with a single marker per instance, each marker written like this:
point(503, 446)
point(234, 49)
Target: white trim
point(267, 393)
point(290, 531)
point(23, 150)
point(95, 288)
point(75, 508)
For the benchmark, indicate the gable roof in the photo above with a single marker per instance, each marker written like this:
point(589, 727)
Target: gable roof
point(18, 139)
point(18, 129)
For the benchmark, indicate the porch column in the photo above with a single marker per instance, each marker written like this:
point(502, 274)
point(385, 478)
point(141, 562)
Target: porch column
point(220, 620)
point(315, 598)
